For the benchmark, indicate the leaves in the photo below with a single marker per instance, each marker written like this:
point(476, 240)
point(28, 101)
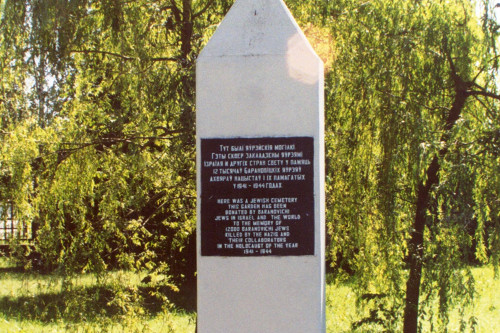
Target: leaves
point(388, 100)
point(97, 134)
point(98, 130)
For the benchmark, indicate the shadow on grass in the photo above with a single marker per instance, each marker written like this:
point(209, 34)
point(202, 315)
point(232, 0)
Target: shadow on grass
point(92, 303)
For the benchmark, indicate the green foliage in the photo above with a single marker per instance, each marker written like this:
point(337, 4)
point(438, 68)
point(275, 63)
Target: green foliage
point(118, 302)
point(98, 129)
point(388, 96)
point(97, 133)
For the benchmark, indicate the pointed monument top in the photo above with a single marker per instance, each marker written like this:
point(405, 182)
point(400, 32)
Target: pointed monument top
point(256, 27)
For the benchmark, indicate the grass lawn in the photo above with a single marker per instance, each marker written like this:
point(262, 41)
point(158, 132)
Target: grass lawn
point(341, 307)
point(46, 303)
point(31, 302)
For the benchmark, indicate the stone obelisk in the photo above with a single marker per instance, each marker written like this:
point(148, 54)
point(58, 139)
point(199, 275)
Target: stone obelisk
point(260, 175)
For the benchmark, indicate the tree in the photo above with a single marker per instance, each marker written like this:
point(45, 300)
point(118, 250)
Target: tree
point(97, 131)
point(98, 128)
point(411, 91)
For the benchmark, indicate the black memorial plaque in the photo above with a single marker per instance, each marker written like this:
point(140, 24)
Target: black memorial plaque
point(257, 196)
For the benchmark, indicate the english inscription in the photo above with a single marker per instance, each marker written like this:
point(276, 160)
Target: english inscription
point(257, 196)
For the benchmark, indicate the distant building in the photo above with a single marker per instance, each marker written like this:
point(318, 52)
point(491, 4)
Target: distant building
point(10, 227)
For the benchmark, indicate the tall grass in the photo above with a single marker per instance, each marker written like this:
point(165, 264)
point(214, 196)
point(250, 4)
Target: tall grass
point(119, 302)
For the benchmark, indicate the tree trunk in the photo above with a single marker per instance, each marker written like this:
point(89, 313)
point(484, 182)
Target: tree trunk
point(416, 246)
point(416, 249)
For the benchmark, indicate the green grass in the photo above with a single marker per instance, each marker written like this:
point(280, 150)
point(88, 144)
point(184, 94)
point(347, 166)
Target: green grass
point(487, 307)
point(341, 308)
point(32, 302)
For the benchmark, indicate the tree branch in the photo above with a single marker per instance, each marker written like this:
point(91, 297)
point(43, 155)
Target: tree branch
point(113, 54)
point(163, 59)
point(204, 9)
point(176, 10)
point(448, 57)
point(111, 140)
point(485, 67)
point(121, 56)
point(483, 92)
point(167, 131)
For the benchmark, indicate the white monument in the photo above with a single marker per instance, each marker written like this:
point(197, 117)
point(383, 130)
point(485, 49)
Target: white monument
point(260, 175)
